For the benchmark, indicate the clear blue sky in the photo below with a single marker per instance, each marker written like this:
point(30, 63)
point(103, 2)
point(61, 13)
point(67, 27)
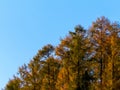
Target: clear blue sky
point(27, 25)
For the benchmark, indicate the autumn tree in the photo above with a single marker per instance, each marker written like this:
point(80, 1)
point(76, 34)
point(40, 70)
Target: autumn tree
point(72, 51)
point(104, 38)
point(13, 84)
point(84, 60)
point(50, 71)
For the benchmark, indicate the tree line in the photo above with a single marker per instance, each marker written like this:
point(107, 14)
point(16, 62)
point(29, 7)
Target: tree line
point(84, 60)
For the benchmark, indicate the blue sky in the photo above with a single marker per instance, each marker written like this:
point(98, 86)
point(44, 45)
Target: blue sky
point(28, 25)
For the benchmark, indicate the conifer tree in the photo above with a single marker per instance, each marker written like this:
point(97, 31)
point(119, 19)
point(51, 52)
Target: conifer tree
point(13, 84)
point(104, 35)
point(72, 52)
point(84, 60)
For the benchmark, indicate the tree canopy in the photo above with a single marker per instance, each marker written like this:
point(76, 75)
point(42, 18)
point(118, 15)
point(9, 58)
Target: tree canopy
point(84, 60)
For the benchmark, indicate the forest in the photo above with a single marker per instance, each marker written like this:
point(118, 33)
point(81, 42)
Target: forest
point(83, 60)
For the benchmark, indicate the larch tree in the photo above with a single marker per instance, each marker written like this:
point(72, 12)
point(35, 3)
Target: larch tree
point(72, 51)
point(14, 84)
point(84, 60)
point(103, 37)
